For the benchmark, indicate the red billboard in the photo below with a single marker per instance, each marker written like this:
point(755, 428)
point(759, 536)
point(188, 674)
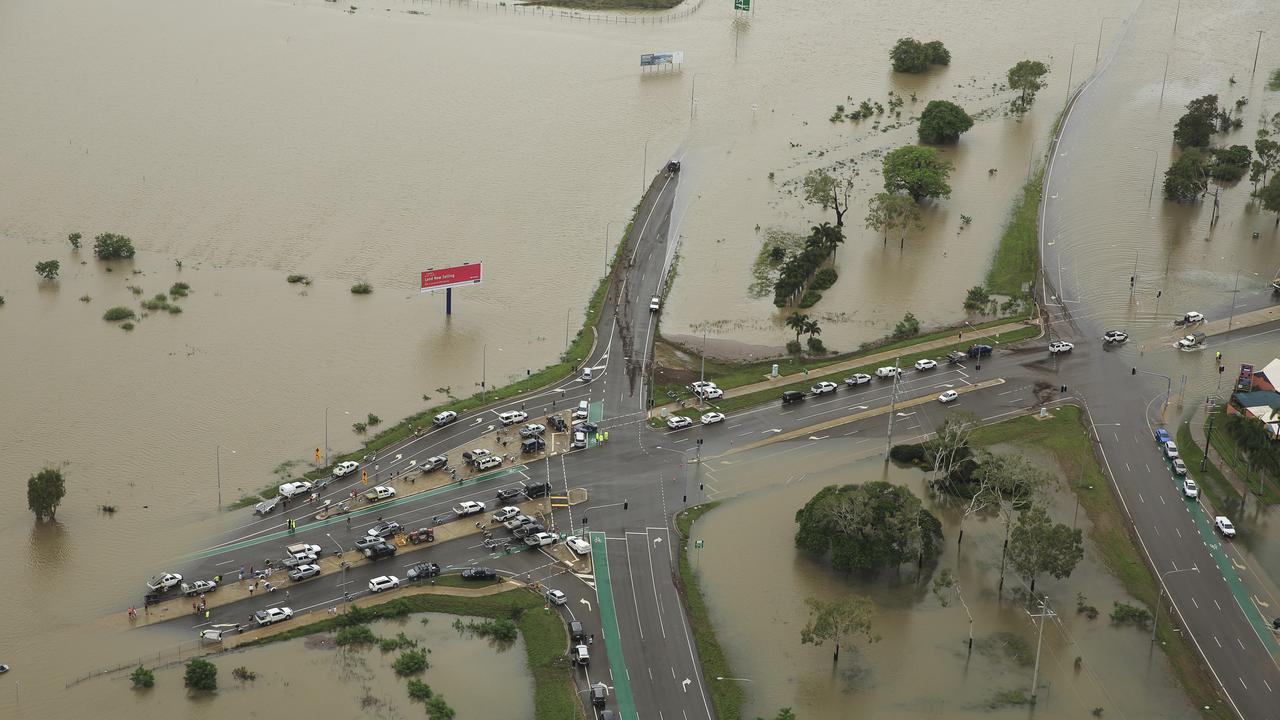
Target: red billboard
point(441, 278)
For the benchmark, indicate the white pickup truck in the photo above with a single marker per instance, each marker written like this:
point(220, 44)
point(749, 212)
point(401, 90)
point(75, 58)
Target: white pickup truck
point(468, 507)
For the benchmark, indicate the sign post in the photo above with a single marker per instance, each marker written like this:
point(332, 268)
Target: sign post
point(448, 278)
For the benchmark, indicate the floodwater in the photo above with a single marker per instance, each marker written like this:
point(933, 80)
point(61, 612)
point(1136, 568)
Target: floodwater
point(311, 677)
point(920, 666)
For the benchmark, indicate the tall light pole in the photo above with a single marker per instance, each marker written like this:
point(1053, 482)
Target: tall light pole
point(702, 371)
point(343, 563)
point(1071, 73)
point(1168, 391)
point(893, 406)
point(1256, 51)
point(1163, 78)
point(1234, 294)
point(218, 463)
point(1156, 622)
point(484, 368)
point(692, 98)
point(1098, 54)
point(1155, 160)
point(606, 245)
point(326, 434)
point(1045, 612)
point(644, 168)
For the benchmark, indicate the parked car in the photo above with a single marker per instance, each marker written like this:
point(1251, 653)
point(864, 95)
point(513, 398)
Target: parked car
point(516, 521)
point(511, 417)
point(381, 492)
point(384, 529)
point(266, 507)
point(654, 304)
point(576, 631)
point(532, 429)
point(557, 422)
point(161, 583)
point(444, 418)
point(468, 507)
point(1114, 337)
point(383, 582)
point(379, 551)
point(301, 549)
point(488, 461)
point(948, 396)
point(475, 454)
point(198, 587)
point(955, 357)
point(579, 441)
point(478, 573)
point(1060, 346)
point(979, 351)
point(1189, 489)
point(506, 494)
point(788, 397)
point(528, 529)
point(1190, 318)
point(599, 694)
point(539, 539)
point(435, 463)
point(582, 656)
point(297, 561)
point(823, 388)
point(291, 489)
point(712, 418)
point(302, 572)
point(926, 364)
point(365, 541)
point(505, 514)
point(578, 545)
point(888, 371)
point(709, 393)
point(423, 571)
point(586, 427)
point(579, 414)
point(1223, 523)
point(345, 468)
point(857, 379)
point(1162, 436)
point(532, 445)
point(557, 597)
point(1170, 450)
point(272, 615)
point(1179, 467)
point(696, 384)
point(676, 422)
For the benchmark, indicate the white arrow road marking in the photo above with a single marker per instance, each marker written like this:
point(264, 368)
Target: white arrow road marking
point(489, 429)
point(398, 456)
point(685, 685)
point(584, 602)
point(657, 540)
point(816, 437)
point(859, 407)
point(477, 421)
point(902, 414)
point(771, 430)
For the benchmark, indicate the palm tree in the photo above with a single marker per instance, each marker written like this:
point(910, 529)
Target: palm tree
point(811, 327)
point(828, 237)
point(799, 323)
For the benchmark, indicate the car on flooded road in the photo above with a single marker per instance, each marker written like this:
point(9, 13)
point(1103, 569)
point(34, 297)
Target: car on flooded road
point(161, 583)
point(1115, 337)
point(478, 573)
point(1060, 346)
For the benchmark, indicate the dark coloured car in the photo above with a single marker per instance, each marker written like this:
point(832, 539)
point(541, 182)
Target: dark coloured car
point(585, 427)
point(537, 490)
point(434, 463)
point(422, 571)
point(791, 396)
point(977, 351)
point(532, 445)
point(365, 541)
point(478, 573)
point(528, 529)
point(557, 422)
point(380, 551)
point(955, 357)
point(576, 631)
point(506, 494)
point(599, 695)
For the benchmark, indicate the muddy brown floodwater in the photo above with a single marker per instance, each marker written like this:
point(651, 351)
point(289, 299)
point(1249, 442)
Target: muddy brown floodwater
point(920, 666)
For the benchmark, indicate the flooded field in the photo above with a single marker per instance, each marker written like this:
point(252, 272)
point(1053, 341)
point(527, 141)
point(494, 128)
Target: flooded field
point(920, 665)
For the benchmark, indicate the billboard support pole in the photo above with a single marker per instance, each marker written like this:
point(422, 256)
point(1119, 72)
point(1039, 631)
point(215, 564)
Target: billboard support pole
point(448, 301)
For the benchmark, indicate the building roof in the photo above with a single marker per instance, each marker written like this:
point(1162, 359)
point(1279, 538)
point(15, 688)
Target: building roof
point(1259, 398)
point(1272, 371)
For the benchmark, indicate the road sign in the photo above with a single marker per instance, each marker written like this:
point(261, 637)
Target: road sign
point(317, 454)
point(744, 5)
point(698, 544)
point(444, 278)
point(364, 476)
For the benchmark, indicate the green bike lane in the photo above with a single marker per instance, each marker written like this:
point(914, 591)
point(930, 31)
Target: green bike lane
point(378, 508)
point(609, 628)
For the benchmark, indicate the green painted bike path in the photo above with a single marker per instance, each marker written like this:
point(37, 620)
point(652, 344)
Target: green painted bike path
point(609, 628)
point(595, 413)
point(375, 508)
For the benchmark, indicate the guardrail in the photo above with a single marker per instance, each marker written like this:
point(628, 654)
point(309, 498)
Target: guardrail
point(637, 17)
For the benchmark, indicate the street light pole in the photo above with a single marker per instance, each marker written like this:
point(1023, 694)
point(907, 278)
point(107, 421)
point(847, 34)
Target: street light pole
point(1155, 161)
point(1234, 295)
point(702, 371)
point(326, 436)
point(893, 404)
point(606, 245)
point(1256, 51)
point(1071, 73)
point(218, 464)
point(1098, 54)
point(343, 563)
point(484, 367)
point(644, 168)
point(1156, 622)
point(1045, 612)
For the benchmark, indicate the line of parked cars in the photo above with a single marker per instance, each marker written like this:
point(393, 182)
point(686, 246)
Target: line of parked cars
point(1190, 490)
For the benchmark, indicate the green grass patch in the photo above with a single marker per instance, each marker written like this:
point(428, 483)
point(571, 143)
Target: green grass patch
point(730, 404)
point(545, 639)
point(1017, 255)
point(727, 697)
point(1064, 436)
point(1225, 445)
point(1217, 490)
point(1273, 83)
point(362, 288)
point(118, 312)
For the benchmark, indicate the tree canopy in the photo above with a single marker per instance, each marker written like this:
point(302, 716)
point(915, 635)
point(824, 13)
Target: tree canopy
point(943, 122)
point(45, 491)
point(1270, 195)
point(1038, 545)
point(829, 192)
point(1027, 77)
point(1199, 122)
point(48, 269)
point(110, 246)
point(918, 171)
point(838, 619)
point(868, 527)
point(1187, 177)
point(888, 212)
point(912, 56)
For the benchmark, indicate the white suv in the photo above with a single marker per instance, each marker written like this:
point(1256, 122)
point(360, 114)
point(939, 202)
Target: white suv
point(290, 489)
point(345, 468)
point(383, 582)
point(511, 417)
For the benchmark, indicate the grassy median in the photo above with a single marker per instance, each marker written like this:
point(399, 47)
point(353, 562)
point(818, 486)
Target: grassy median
point(545, 639)
point(1017, 256)
point(1064, 436)
point(1222, 496)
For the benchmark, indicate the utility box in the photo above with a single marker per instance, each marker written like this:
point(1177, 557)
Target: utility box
point(775, 370)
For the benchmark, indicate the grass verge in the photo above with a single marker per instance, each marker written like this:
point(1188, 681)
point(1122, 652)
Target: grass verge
point(1229, 451)
point(1064, 436)
point(727, 697)
point(1221, 494)
point(545, 639)
point(1017, 255)
point(610, 4)
point(805, 382)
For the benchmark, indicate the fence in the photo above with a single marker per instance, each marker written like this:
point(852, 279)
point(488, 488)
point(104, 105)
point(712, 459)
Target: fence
point(162, 658)
point(638, 17)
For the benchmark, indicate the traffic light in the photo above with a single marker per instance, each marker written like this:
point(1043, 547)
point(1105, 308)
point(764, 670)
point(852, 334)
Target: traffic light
point(317, 454)
point(1221, 368)
point(364, 476)
point(1133, 371)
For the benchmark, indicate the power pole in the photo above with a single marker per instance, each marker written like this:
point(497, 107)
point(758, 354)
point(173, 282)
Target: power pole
point(1045, 612)
point(893, 404)
point(1256, 51)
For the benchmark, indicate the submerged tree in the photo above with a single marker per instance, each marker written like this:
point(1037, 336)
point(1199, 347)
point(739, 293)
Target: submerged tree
point(1008, 484)
point(1199, 122)
point(867, 528)
point(829, 192)
point(1038, 545)
point(1027, 77)
point(1187, 178)
point(836, 620)
point(942, 122)
point(887, 212)
point(45, 491)
point(917, 171)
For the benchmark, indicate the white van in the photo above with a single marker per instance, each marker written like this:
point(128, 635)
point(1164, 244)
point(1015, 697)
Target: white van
point(488, 461)
point(579, 441)
point(586, 375)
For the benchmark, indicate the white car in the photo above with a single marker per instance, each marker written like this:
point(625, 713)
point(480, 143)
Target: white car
point(532, 429)
point(163, 582)
point(272, 615)
point(675, 422)
point(444, 418)
point(578, 545)
point(709, 393)
point(823, 388)
point(511, 417)
point(1223, 523)
point(539, 539)
point(1170, 450)
point(506, 513)
point(926, 364)
point(345, 468)
point(1060, 346)
point(857, 379)
point(290, 489)
point(556, 597)
point(1189, 488)
point(654, 304)
point(1115, 336)
point(380, 492)
point(301, 550)
point(712, 418)
point(579, 415)
point(948, 396)
point(697, 384)
point(302, 572)
point(1190, 318)
point(1179, 467)
point(468, 507)
point(888, 372)
point(383, 582)
point(514, 522)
